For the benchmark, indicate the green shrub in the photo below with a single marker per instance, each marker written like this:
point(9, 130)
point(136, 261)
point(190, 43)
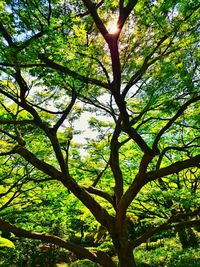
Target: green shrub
point(171, 255)
point(186, 258)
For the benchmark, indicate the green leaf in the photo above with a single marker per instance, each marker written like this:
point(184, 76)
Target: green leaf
point(4, 242)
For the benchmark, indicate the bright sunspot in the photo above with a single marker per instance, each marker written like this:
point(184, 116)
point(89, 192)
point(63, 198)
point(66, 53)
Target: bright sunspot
point(112, 27)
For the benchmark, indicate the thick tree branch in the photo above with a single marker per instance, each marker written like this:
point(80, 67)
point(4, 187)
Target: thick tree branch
point(115, 162)
point(87, 12)
point(93, 11)
point(6, 35)
point(142, 177)
point(135, 186)
point(39, 164)
point(162, 227)
point(112, 41)
point(133, 134)
point(78, 250)
point(100, 193)
point(173, 168)
point(96, 209)
point(100, 213)
point(96, 256)
point(124, 12)
point(176, 220)
point(51, 64)
point(126, 126)
point(162, 154)
point(30, 40)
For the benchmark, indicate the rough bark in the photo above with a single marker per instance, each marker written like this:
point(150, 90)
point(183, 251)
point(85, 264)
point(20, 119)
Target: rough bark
point(122, 246)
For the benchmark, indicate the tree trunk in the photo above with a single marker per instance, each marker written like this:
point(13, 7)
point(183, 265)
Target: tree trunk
point(126, 259)
point(123, 249)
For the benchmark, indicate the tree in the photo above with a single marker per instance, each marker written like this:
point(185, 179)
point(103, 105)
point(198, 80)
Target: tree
point(59, 59)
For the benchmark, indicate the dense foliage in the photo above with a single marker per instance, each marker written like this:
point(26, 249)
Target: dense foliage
point(99, 129)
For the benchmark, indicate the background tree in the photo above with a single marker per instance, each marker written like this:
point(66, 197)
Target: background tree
point(134, 63)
